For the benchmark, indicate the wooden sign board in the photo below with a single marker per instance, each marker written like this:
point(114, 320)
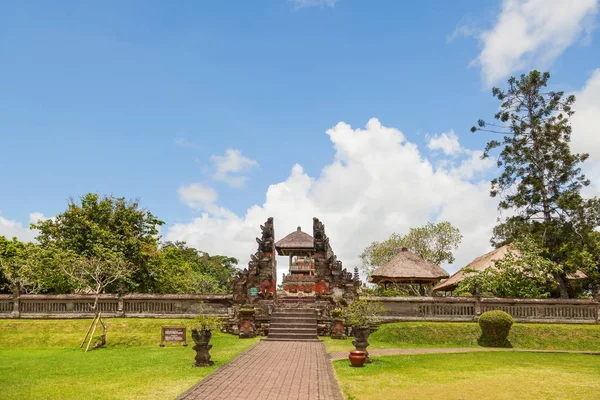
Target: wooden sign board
point(176, 334)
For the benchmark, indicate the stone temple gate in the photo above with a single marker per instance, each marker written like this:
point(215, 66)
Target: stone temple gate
point(314, 270)
point(315, 284)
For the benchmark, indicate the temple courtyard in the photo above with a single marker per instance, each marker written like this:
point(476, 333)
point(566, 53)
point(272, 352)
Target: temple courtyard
point(42, 360)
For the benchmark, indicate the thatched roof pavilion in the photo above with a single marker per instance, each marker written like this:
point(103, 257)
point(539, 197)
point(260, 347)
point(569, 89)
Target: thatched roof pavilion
point(478, 264)
point(294, 243)
point(485, 261)
point(407, 267)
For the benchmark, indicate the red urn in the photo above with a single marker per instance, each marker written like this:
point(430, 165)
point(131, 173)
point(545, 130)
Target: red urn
point(357, 358)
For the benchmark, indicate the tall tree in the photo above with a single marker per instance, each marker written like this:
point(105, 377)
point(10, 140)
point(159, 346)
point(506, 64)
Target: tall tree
point(183, 269)
point(11, 254)
point(540, 179)
point(432, 242)
point(99, 224)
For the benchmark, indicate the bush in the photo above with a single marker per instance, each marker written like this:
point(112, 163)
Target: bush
point(495, 326)
point(362, 312)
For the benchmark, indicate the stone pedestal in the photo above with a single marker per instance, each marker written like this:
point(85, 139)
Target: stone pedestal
point(247, 324)
point(201, 339)
point(338, 329)
point(202, 355)
point(361, 334)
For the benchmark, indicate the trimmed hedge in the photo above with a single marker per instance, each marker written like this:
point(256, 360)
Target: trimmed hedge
point(495, 326)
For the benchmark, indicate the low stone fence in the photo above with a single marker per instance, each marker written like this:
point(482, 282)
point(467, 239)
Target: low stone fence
point(396, 308)
point(112, 305)
point(470, 308)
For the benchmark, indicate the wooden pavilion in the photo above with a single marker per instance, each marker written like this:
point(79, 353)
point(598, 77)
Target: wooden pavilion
point(299, 247)
point(486, 261)
point(408, 268)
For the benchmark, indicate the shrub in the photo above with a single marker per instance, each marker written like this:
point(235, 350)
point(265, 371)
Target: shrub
point(495, 326)
point(362, 312)
point(208, 322)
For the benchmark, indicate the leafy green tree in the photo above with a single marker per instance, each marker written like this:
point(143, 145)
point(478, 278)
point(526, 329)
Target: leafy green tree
point(540, 179)
point(99, 224)
point(525, 275)
point(432, 242)
point(28, 268)
point(97, 273)
point(183, 269)
point(11, 253)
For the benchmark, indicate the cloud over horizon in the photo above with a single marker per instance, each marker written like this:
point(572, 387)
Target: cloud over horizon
point(530, 34)
point(377, 183)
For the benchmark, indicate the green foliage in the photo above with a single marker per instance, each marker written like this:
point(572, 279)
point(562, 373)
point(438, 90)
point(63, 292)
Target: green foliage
point(540, 180)
point(100, 224)
point(525, 275)
point(208, 321)
point(362, 312)
point(119, 238)
point(97, 273)
point(28, 268)
point(392, 290)
point(182, 269)
point(495, 326)
point(432, 242)
point(11, 252)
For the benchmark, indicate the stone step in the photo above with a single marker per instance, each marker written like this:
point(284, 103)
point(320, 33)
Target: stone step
point(290, 325)
point(291, 316)
point(293, 324)
point(293, 335)
point(290, 340)
point(294, 311)
point(294, 320)
point(292, 330)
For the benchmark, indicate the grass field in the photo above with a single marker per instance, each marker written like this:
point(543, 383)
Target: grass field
point(453, 334)
point(485, 375)
point(41, 359)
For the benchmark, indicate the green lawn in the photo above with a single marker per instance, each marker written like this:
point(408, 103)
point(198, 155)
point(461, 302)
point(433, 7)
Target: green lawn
point(484, 375)
point(456, 334)
point(41, 359)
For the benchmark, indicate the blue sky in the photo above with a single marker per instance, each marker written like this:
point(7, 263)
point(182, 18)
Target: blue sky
point(202, 109)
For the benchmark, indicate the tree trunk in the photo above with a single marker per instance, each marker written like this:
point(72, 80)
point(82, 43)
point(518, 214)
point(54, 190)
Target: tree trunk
point(562, 285)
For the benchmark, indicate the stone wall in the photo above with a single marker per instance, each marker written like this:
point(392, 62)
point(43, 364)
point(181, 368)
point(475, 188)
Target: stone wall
point(131, 305)
point(397, 308)
point(470, 308)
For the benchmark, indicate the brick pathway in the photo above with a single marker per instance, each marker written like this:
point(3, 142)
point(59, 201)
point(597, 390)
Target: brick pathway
point(272, 370)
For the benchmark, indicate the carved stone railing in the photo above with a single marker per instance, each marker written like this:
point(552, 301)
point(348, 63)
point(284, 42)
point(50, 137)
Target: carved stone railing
point(396, 308)
point(470, 308)
point(131, 305)
point(545, 310)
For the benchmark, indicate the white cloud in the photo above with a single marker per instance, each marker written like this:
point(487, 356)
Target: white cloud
point(446, 142)
point(10, 228)
point(377, 183)
point(313, 3)
point(197, 196)
point(585, 124)
point(229, 166)
point(36, 217)
point(474, 165)
point(532, 33)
